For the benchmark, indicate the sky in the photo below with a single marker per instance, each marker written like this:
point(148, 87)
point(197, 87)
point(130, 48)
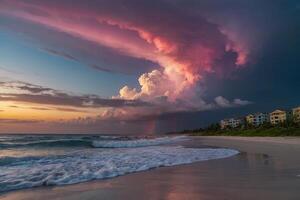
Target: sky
point(144, 67)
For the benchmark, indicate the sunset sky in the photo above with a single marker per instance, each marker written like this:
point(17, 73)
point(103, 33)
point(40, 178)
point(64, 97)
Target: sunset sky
point(132, 66)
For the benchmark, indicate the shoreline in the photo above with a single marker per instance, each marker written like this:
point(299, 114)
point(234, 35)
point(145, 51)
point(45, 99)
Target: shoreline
point(277, 139)
point(266, 168)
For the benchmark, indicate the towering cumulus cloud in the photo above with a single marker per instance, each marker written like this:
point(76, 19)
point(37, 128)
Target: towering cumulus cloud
point(185, 45)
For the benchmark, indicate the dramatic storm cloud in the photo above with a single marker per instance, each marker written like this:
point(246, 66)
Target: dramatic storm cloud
point(186, 46)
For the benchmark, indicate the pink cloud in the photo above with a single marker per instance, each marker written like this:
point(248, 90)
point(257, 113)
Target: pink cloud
point(186, 47)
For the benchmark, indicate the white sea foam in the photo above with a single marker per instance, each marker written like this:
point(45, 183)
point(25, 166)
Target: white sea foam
point(93, 164)
point(137, 142)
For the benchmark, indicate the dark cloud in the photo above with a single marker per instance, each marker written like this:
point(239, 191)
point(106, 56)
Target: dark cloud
point(34, 89)
point(31, 88)
point(58, 108)
point(68, 100)
point(72, 58)
point(18, 121)
point(272, 81)
point(69, 110)
point(97, 67)
point(59, 53)
point(43, 95)
point(14, 106)
point(40, 108)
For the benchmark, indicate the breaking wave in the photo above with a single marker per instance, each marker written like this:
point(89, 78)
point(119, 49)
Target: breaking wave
point(91, 164)
point(137, 142)
point(103, 142)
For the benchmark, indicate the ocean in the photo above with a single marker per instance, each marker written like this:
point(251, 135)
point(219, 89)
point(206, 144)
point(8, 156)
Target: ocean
point(28, 161)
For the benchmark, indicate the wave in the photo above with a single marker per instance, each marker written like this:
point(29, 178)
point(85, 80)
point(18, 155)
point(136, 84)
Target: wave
point(48, 143)
point(137, 142)
point(91, 164)
point(12, 161)
point(102, 142)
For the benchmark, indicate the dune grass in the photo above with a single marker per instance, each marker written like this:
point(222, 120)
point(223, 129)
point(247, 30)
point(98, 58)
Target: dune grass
point(260, 131)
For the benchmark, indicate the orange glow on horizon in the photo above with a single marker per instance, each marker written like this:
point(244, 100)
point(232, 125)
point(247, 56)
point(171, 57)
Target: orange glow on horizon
point(26, 111)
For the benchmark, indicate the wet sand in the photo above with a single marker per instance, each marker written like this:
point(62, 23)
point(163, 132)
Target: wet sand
point(266, 168)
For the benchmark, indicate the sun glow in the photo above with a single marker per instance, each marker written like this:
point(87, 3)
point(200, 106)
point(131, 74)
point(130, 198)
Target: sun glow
point(26, 111)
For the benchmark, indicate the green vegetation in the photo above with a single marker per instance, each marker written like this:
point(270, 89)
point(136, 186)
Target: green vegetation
point(285, 129)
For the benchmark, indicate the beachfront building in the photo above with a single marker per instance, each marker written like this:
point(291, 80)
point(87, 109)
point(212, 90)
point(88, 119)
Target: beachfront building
point(230, 123)
point(257, 119)
point(277, 116)
point(296, 114)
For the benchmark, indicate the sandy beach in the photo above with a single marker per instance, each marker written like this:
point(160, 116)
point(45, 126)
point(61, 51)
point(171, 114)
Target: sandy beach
point(266, 168)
